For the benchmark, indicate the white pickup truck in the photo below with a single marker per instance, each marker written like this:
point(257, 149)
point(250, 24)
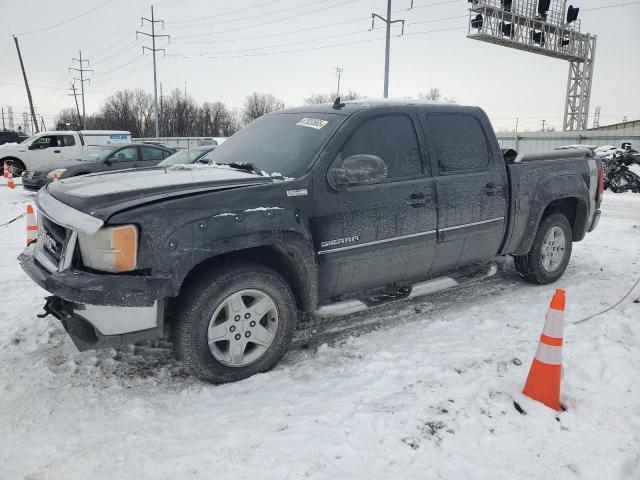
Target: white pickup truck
point(47, 148)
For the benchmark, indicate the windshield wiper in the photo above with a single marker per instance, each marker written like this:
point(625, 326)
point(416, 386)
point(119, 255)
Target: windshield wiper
point(247, 167)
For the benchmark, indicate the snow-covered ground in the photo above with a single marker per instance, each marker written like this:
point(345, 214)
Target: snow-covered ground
point(424, 390)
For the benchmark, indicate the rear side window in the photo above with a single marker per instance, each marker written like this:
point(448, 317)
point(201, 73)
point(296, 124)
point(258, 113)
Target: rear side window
point(458, 143)
point(69, 141)
point(393, 139)
point(150, 153)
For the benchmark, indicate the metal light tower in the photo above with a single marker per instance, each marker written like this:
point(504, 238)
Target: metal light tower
point(545, 27)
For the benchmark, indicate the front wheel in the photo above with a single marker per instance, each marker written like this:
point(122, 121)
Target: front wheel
point(550, 253)
point(235, 322)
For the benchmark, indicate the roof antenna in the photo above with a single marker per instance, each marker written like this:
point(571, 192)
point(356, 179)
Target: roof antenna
point(337, 104)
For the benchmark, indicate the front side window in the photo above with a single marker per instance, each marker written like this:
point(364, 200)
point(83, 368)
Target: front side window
point(129, 154)
point(458, 143)
point(393, 139)
point(45, 141)
point(95, 154)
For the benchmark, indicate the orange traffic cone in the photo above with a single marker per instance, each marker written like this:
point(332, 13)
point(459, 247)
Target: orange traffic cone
point(32, 226)
point(10, 183)
point(5, 170)
point(543, 382)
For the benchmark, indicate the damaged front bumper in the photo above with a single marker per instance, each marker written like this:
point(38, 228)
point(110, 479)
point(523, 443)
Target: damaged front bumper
point(99, 326)
point(101, 310)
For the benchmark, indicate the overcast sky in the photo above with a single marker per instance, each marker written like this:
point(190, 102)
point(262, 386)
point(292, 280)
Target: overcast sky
point(225, 50)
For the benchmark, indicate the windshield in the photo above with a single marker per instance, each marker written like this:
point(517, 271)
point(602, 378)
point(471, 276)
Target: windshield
point(182, 157)
point(284, 143)
point(31, 139)
point(95, 154)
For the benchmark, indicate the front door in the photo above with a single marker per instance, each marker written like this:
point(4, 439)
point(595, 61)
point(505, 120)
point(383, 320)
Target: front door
point(471, 188)
point(45, 150)
point(121, 159)
point(388, 229)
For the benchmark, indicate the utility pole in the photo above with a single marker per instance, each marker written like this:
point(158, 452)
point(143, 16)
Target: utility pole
point(75, 96)
point(153, 50)
point(26, 84)
point(44, 127)
point(82, 80)
point(3, 127)
point(388, 21)
point(543, 122)
point(339, 71)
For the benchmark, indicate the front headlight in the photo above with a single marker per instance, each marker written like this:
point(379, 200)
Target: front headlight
point(111, 249)
point(56, 174)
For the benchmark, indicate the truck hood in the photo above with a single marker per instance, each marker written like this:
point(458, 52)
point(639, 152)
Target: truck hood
point(12, 147)
point(103, 194)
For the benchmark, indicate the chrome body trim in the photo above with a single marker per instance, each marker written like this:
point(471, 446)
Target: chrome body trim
point(67, 254)
point(431, 286)
point(499, 219)
point(376, 242)
point(339, 309)
point(66, 216)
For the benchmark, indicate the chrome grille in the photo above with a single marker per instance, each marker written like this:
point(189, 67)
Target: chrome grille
point(52, 238)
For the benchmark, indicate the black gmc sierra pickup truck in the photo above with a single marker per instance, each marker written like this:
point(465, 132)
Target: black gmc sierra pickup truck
point(304, 213)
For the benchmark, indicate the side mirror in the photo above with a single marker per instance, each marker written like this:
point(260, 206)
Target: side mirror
point(361, 169)
point(108, 161)
point(33, 147)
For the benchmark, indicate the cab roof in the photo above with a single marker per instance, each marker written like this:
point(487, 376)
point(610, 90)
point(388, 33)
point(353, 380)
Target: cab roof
point(352, 106)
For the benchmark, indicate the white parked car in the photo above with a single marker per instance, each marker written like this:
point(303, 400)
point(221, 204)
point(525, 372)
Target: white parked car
point(56, 146)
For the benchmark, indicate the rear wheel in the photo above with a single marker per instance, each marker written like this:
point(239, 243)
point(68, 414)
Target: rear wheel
point(235, 322)
point(550, 253)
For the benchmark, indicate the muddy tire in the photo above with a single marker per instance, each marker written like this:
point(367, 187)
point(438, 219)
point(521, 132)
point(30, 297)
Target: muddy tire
point(234, 322)
point(550, 253)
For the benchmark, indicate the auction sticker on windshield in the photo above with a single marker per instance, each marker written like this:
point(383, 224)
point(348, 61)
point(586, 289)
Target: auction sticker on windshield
point(316, 123)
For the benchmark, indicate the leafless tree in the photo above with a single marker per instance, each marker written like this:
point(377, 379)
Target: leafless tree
point(317, 98)
point(66, 115)
point(258, 104)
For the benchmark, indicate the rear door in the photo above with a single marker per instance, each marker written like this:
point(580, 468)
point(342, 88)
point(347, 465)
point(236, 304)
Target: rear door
point(471, 189)
point(68, 146)
point(150, 156)
point(388, 228)
point(124, 158)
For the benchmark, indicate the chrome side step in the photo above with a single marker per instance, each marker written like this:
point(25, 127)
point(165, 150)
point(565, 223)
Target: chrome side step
point(347, 307)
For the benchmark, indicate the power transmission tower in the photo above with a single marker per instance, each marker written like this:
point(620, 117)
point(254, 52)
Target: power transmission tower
point(26, 84)
point(388, 21)
point(10, 116)
point(81, 80)
point(153, 50)
point(596, 117)
point(339, 71)
point(44, 127)
point(75, 96)
point(543, 122)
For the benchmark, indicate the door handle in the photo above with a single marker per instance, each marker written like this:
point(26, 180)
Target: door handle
point(56, 151)
point(417, 200)
point(491, 189)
